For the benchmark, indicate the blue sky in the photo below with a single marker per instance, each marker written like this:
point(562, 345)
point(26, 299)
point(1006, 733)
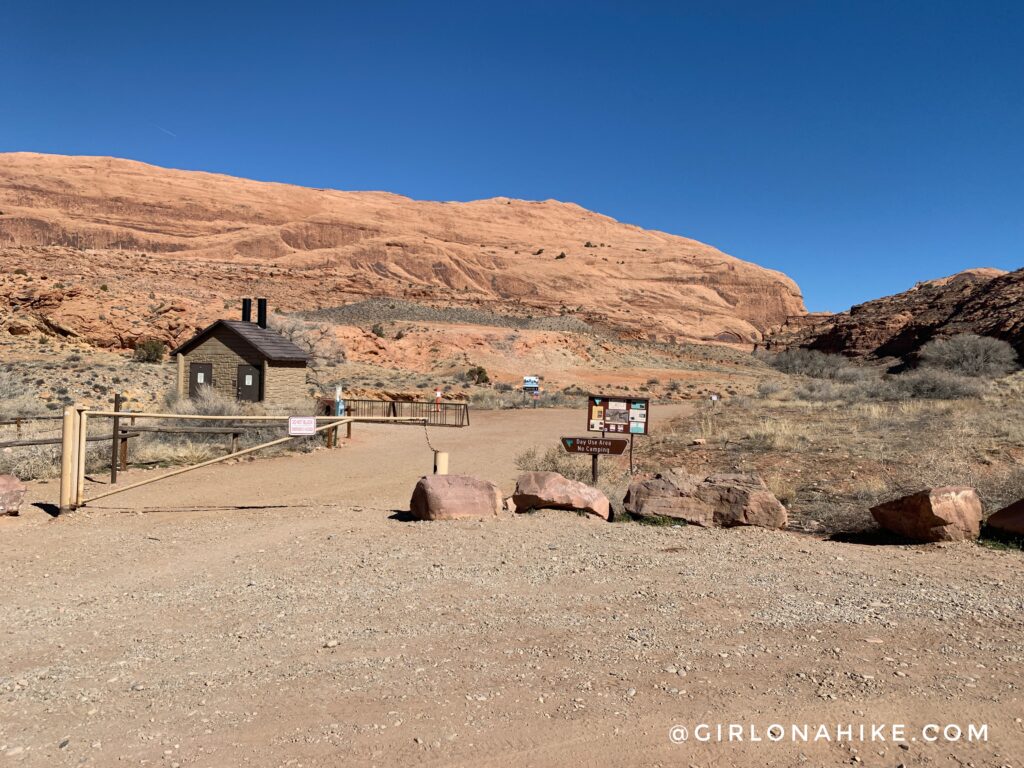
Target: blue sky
point(858, 146)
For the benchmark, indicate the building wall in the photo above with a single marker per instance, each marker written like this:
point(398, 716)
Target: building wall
point(226, 352)
point(284, 384)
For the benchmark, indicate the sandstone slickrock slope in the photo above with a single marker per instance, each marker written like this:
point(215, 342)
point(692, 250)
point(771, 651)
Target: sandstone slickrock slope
point(154, 251)
point(987, 302)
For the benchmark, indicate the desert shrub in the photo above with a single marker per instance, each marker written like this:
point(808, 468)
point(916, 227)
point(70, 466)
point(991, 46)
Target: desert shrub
point(503, 386)
point(477, 375)
point(491, 400)
point(16, 400)
point(820, 391)
point(768, 388)
point(934, 384)
point(808, 362)
point(149, 351)
point(318, 340)
point(970, 355)
point(378, 330)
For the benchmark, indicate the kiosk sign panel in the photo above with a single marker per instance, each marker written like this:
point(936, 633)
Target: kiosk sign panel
point(617, 414)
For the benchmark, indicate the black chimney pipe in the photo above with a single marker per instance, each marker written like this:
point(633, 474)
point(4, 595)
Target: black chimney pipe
point(246, 310)
point(261, 313)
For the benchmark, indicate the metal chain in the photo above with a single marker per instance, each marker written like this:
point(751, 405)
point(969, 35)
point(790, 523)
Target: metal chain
point(426, 434)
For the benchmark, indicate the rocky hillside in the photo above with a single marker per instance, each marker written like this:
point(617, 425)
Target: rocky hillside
point(111, 251)
point(987, 302)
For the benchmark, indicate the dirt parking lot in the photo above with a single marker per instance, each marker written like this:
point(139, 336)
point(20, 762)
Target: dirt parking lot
point(279, 612)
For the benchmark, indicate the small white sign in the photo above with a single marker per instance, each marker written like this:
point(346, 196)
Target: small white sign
point(301, 425)
point(200, 377)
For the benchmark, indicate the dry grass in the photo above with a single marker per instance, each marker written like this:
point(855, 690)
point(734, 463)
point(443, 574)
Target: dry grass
point(830, 461)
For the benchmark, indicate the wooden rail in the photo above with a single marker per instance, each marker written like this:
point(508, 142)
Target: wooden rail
point(57, 441)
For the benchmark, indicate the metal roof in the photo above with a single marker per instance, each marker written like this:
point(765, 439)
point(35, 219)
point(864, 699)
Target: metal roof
point(270, 344)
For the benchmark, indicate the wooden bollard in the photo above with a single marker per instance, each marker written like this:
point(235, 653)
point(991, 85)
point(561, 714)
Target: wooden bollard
point(83, 445)
point(440, 463)
point(68, 446)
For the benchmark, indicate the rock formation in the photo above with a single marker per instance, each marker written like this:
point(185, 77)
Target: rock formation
point(113, 251)
point(986, 302)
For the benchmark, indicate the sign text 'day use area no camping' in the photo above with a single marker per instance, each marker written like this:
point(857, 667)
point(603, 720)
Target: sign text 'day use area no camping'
point(606, 446)
point(621, 415)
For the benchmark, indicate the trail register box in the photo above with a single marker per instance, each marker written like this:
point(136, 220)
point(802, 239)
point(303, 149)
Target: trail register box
point(619, 415)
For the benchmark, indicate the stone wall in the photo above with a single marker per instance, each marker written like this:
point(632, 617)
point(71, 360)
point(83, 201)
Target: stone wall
point(284, 384)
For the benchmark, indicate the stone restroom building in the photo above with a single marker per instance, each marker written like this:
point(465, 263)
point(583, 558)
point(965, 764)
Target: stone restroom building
point(243, 360)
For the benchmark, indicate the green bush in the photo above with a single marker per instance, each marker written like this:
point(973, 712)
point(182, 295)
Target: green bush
point(378, 330)
point(149, 351)
point(970, 355)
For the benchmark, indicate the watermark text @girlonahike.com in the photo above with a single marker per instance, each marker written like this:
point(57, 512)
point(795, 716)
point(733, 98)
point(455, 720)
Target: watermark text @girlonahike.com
point(810, 733)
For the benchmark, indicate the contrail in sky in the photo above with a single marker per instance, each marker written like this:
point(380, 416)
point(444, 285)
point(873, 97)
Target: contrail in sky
point(169, 133)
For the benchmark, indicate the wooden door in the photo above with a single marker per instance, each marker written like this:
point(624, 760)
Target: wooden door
point(249, 388)
point(199, 375)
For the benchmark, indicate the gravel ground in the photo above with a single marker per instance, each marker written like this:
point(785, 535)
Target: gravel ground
point(327, 633)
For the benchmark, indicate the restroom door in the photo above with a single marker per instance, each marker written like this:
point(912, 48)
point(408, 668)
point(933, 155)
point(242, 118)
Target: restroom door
point(199, 375)
point(249, 383)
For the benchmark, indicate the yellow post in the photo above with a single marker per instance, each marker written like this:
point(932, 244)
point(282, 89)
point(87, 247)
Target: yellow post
point(74, 457)
point(68, 446)
point(440, 463)
point(83, 434)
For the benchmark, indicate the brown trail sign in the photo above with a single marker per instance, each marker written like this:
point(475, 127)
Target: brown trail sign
point(595, 445)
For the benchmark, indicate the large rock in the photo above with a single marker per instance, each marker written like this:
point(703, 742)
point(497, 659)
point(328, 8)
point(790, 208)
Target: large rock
point(718, 500)
point(951, 513)
point(455, 497)
point(1009, 519)
point(550, 490)
point(12, 493)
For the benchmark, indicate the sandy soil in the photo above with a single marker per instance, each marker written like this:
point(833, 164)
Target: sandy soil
point(318, 628)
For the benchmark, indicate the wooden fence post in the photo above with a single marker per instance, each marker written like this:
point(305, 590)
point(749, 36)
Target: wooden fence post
point(83, 433)
point(124, 448)
point(68, 446)
point(114, 437)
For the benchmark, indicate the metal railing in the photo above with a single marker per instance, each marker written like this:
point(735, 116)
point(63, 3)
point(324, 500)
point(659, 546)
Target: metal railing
point(433, 414)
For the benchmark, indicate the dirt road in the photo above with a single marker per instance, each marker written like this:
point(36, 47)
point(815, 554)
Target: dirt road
point(331, 633)
point(377, 468)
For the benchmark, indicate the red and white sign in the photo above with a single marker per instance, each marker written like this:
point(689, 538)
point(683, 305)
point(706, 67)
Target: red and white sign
point(301, 425)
